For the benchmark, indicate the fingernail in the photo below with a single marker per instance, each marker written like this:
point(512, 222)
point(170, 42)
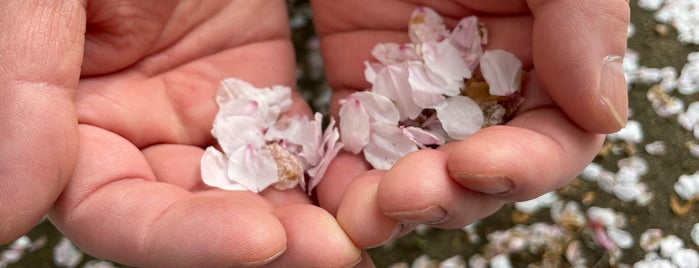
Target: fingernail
point(355, 263)
point(612, 86)
point(397, 231)
point(265, 261)
point(429, 215)
point(487, 184)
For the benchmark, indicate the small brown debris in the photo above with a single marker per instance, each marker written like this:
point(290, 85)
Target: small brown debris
point(681, 209)
point(589, 197)
point(519, 217)
point(289, 168)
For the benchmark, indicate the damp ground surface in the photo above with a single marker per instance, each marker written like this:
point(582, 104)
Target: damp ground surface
point(657, 47)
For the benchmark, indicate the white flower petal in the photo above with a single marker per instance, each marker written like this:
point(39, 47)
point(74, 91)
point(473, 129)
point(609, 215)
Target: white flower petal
point(329, 149)
point(214, 170)
point(621, 238)
point(687, 186)
point(466, 37)
point(461, 117)
point(427, 90)
point(311, 141)
point(371, 70)
point(65, 254)
point(502, 71)
point(392, 53)
point(271, 101)
point(392, 82)
point(445, 60)
point(236, 131)
point(426, 25)
point(237, 107)
point(354, 124)
point(695, 233)
point(423, 137)
point(686, 258)
point(253, 168)
point(300, 135)
point(379, 108)
point(669, 245)
point(387, 145)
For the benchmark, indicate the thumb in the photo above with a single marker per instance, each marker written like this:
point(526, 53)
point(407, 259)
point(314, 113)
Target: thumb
point(40, 54)
point(578, 48)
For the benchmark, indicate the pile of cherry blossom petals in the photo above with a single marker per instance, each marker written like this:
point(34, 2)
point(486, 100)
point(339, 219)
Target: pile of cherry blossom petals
point(421, 92)
point(262, 147)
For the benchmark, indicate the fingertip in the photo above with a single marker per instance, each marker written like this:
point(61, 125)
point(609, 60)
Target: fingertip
point(410, 185)
point(513, 163)
point(314, 239)
point(359, 213)
point(341, 172)
point(572, 44)
point(212, 231)
point(419, 190)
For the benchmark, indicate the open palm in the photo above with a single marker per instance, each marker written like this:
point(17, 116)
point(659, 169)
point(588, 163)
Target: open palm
point(145, 103)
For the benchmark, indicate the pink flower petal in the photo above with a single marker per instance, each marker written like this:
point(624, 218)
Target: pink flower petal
point(298, 135)
point(393, 83)
point(311, 141)
point(354, 124)
point(387, 145)
point(466, 38)
point(445, 60)
point(329, 149)
point(427, 89)
point(379, 108)
point(214, 168)
point(461, 117)
point(426, 25)
point(392, 53)
point(253, 168)
point(371, 70)
point(271, 101)
point(422, 137)
point(502, 71)
point(236, 131)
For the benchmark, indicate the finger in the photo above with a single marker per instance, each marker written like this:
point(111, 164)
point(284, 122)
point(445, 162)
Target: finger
point(418, 189)
point(536, 152)
point(340, 173)
point(366, 261)
point(39, 68)
point(168, 96)
point(176, 164)
point(578, 48)
point(361, 217)
point(115, 209)
point(179, 106)
point(314, 239)
point(120, 33)
point(280, 198)
point(180, 165)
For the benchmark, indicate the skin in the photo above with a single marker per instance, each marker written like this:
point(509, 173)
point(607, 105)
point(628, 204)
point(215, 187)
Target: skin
point(106, 107)
point(574, 95)
point(119, 97)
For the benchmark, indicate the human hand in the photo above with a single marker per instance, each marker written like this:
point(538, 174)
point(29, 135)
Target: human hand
point(575, 92)
point(145, 104)
point(39, 68)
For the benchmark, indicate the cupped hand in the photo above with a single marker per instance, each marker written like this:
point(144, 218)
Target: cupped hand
point(145, 104)
point(575, 93)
